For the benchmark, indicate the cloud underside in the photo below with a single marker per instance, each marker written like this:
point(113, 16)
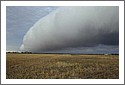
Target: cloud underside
point(72, 27)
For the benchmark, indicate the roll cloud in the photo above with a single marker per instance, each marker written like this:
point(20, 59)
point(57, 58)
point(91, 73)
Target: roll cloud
point(74, 26)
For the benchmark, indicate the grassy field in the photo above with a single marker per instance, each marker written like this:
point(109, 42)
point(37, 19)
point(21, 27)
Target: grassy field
point(62, 66)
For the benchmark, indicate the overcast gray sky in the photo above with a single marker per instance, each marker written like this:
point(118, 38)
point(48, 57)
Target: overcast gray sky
point(21, 19)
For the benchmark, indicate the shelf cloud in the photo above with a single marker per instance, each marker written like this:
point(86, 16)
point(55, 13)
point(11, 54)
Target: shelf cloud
point(72, 27)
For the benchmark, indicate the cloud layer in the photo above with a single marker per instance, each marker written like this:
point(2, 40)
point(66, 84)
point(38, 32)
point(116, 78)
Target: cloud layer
point(71, 27)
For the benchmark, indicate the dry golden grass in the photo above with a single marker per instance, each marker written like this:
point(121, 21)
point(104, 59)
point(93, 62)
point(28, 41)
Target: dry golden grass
point(62, 66)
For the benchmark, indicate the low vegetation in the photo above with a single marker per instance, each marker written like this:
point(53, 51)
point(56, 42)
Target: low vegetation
point(61, 66)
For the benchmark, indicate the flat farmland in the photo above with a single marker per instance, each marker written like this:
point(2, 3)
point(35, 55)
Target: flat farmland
point(61, 66)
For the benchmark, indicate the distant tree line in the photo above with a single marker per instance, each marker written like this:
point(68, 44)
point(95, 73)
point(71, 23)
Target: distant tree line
point(12, 52)
point(26, 52)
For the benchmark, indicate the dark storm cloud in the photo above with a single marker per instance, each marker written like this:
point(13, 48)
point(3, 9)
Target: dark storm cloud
point(71, 27)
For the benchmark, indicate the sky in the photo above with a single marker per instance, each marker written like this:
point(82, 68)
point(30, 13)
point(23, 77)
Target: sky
point(62, 29)
point(19, 19)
